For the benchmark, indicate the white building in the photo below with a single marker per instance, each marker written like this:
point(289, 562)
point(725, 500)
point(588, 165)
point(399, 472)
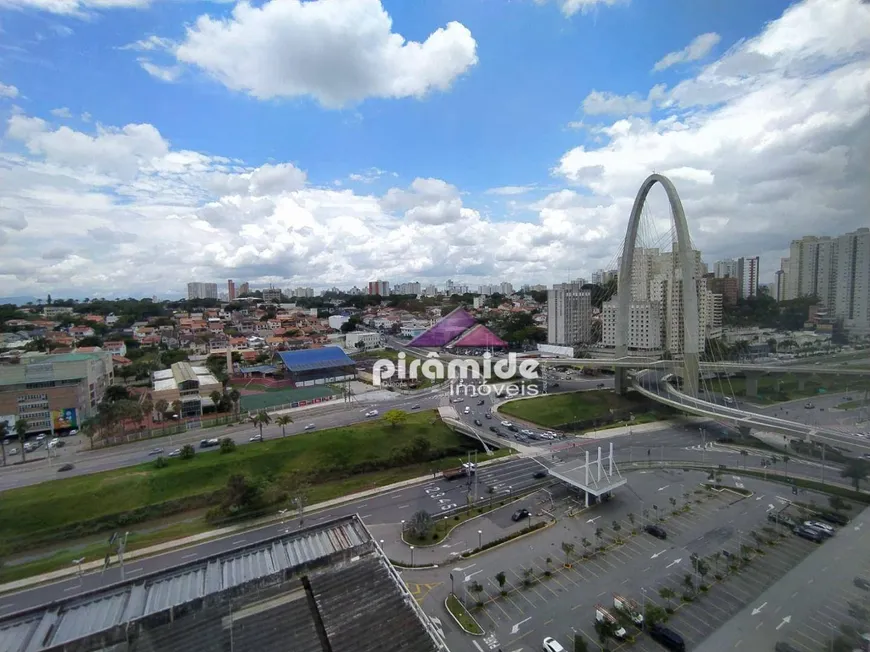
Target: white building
point(569, 314)
point(380, 288)
point(302, 292)
point(367, 339)
point(202, 291)
point(407, 288)
point(271, 294)
point(645, 326)
point(725, 268)
point(337, 321)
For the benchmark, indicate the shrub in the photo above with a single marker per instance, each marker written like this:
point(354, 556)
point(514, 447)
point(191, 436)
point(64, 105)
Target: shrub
point(161, 463)
point(227, 445)
point(187, 452)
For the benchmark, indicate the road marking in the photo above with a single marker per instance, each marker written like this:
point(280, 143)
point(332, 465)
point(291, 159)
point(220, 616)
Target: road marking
point(73, 588)
point(403, 506)
point(470, 575)
point(459, 569)
point(477, 645)
point(674, 563)
point(659, 554)
point(665, 487)
point(363, 505)
point(758, 609)
point(397, 496)
point(193, 554)
point(785, 621)
point(365, 516)
point(737, 645)
point(134, 570)
point(9, 605)
point(592, 520)
point(759, 498)
point(516, 628)
point(239, 542)
point(770, 507)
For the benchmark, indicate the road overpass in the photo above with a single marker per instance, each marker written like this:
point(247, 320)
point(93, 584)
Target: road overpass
point(663, 392)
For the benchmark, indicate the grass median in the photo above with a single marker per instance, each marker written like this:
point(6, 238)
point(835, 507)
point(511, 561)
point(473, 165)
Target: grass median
point(466, 621)
point(333, 462)
point(556, 409)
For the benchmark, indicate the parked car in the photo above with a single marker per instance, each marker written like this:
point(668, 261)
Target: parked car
point(834, 517)
point(481, 402)
point(371, 413)
point(520, 514)
point(552, 645)
point(65, 467)
point(155, 451)
point(478, 422)
point(782, 646)
point(810, 534)
point(310, 426)
point(826, 529)
point(656, 530)
point(257, 437)
point(667, 638)
point(415, 407)
point(175, 453)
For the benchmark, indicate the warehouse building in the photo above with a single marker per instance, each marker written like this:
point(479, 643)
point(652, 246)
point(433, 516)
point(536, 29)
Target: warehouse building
point(310, 367)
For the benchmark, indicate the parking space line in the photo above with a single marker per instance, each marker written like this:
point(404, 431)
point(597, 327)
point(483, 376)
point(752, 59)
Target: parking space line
point(523, 590)
point(814, 643)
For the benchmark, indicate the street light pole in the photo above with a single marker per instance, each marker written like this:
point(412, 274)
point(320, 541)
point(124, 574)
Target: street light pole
point(480, 538)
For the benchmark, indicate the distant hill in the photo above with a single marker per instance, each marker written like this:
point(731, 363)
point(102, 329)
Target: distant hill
point(18, 301)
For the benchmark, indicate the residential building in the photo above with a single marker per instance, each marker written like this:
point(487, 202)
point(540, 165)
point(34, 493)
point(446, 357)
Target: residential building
point(852, 278)
point(725, 268)
point(811, 270)
point(231, 290)
point(302, 292)
point(747, 276)
point(271, 295)
point(363, 340)
point(202, 291)
point(380, 288)
point(54, 392)
point(49, 312)
point(780, 284)
point(115, 348)
point(727, 286)
point(645, 326)
point(185, 383)
point(569, 314)
point(244, 289)
point(407, 288)
point(337, 321)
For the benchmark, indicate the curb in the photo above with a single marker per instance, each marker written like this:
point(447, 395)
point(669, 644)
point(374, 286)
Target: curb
point(456, 620)
point(511, 540)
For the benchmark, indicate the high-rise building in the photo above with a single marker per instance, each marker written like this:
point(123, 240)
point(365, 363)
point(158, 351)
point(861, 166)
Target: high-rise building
point(747, 276)
point(726, 286)
point(202, 291)
point(780, 283)
point(569, 314)
point(725, 268)
point(852, 278)
point(381, 288)
point(645, 326)
point(231, 290)
point(271, 295)
point(407, 288)
point(811, 269)
point(301, 293)
point(244, 289)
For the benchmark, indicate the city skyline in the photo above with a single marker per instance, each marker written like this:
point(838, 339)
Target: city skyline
point(109, 199)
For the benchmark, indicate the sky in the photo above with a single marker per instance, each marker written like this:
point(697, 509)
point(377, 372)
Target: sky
point(148, 143)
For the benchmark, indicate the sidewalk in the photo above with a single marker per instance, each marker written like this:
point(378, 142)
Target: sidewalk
point(219, 533)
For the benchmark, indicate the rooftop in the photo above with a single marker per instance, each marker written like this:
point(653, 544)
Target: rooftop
point(311, 359)
point(325, 587)
point(445, 329)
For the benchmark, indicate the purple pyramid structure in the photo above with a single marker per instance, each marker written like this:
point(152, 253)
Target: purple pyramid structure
point(445, 329)
point(480, 337)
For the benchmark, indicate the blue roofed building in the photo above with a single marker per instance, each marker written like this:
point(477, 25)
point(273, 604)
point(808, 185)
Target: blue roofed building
point(310, 367)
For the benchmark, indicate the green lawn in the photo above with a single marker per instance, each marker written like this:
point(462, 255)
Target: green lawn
point(85, 505)
point(465, 619)
point(774, 389)
point(851, 405)
point(556, 409)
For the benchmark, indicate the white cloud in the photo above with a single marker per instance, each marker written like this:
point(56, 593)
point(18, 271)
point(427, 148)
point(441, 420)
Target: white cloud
point(509, 190)
point(369, 176)
point(62, 112)
point(163, 73)
point(699, 48)
point(336, 52)
point(8, 91)
point(768, 142)
point(571, 7)
point(606, 103)
point(151, 43)
point(73, 7)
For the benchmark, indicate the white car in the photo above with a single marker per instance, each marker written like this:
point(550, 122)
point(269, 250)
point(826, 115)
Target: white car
point(53, 442)
point(310, 426)
point(40, 437)
point(73, 432)
point(552, 645)
point(506, 424)
point(527, 432)
point(467, 410)
point(824, 527)
point(372, 413)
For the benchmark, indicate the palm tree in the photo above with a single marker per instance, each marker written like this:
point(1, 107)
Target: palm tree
point(785, 459)
point(261, 419)
point(21, 430)
point(234, 397)
point(585, 543)
point(89, 429)
point(667, 594)
point(283, 421)
point(568, 549)
point(616, 528)
point(631, 518)
point(148, 405)
point(176, 407)
point(598, 533)
point(744, 454)
point(689, 583)
point(4, 430)
point(476, 588)
point(501, 578)
point(716, 556)
point(216, 397)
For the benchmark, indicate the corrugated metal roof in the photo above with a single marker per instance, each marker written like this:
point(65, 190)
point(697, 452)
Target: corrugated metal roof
point(75, 618)
point(182, 372)
point(310, 359)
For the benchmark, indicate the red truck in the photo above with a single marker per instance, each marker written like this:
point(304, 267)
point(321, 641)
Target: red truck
point(459, 472)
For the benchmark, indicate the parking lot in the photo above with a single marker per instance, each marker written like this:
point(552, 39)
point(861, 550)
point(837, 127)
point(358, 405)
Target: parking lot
point(543, 597)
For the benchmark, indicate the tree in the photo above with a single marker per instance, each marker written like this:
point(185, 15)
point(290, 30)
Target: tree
point(585, 543)
point(716, 556)
point(227, 445)
point(501, 578)
point(284, 420)
point(689, 583)
point(176, 408)
point(667, 594)
point(631, 518)
point(654, 614)
point(420, 524)
point(4, 431)
point(568, 549)
point(235, 395)
point(148, 406)
point(598, 534)
point(836, 503)
point(21, 427)
point(395, 417)
point(188, 452)
point(528, 576)
point(580, 644)
point(476, 588)
point(856, 470)
point(216, 397)
point(161, 406)
point(673, 501)
point(261, 419)
point(241, 493)
point(616, 528)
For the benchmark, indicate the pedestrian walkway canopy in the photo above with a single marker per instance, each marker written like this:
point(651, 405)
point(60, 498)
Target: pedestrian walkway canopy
point(594, 478)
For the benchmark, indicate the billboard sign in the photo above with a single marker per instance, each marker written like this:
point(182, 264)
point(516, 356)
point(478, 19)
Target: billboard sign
point(9, 419)
point(63, 419)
